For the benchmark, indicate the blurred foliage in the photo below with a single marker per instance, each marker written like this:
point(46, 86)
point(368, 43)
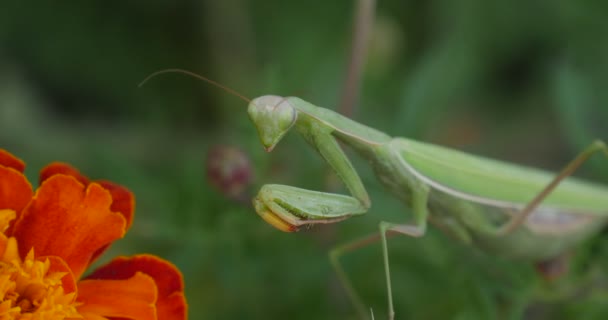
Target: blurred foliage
point(521, 81)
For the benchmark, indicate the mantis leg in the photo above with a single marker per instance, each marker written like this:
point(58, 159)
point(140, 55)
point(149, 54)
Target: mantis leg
point(287, 207)
point(334, 258)
point(417, 229)
point(420, 210)
point(520, 217)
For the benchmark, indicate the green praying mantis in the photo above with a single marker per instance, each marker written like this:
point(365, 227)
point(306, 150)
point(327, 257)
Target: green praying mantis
point(515, 211)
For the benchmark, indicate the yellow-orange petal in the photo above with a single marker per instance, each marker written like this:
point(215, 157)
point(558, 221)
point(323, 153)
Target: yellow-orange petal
point(171, 303)
point(68, 220)
point(68, 282)
point(11, 250)
point(15, 190)
point(61, 168)
point(90, 316)
point(132, 298)
point(6, 215)
point(10, 161)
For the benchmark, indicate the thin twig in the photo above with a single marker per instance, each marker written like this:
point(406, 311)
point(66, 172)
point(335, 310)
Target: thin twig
point(362, 26)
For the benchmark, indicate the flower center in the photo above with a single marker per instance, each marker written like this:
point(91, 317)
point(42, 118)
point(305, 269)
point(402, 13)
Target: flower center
point(29, 291)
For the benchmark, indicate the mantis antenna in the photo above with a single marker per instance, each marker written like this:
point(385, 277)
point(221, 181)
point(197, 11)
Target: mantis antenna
point(198, 76)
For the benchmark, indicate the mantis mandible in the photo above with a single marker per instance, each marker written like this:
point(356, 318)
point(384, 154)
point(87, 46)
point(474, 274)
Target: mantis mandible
point(519, 212)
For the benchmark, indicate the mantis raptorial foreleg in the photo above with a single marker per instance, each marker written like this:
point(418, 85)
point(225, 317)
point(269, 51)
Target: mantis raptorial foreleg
point(323, 141)
point(296, 206)
point(568, 170)
point(293, 204)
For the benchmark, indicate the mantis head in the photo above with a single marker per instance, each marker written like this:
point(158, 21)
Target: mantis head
point(273, 116)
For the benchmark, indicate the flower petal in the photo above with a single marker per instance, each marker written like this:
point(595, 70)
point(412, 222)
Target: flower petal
point(68, 282)
point(66, 219)
point(90, 316)
point(61, 168)
point(15, 190)
point(171, 303)
point(131, 298)
point(10, 161)
point(6, 215)
point(10, 250)
point(123, 201)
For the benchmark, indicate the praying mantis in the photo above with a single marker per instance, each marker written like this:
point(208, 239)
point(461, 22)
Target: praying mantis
point(503, 208)
point(518, 212)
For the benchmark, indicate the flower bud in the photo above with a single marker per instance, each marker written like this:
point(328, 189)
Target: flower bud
point(229, 171)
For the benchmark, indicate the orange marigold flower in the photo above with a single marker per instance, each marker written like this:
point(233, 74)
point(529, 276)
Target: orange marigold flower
point(48, 238)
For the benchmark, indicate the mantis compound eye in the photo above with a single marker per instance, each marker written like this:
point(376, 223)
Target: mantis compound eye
point(273, 116)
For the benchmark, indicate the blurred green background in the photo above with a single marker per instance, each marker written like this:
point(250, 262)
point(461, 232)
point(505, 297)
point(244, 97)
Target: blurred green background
point(522, 81)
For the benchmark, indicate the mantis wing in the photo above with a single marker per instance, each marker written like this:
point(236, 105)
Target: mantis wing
point(498, 182)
